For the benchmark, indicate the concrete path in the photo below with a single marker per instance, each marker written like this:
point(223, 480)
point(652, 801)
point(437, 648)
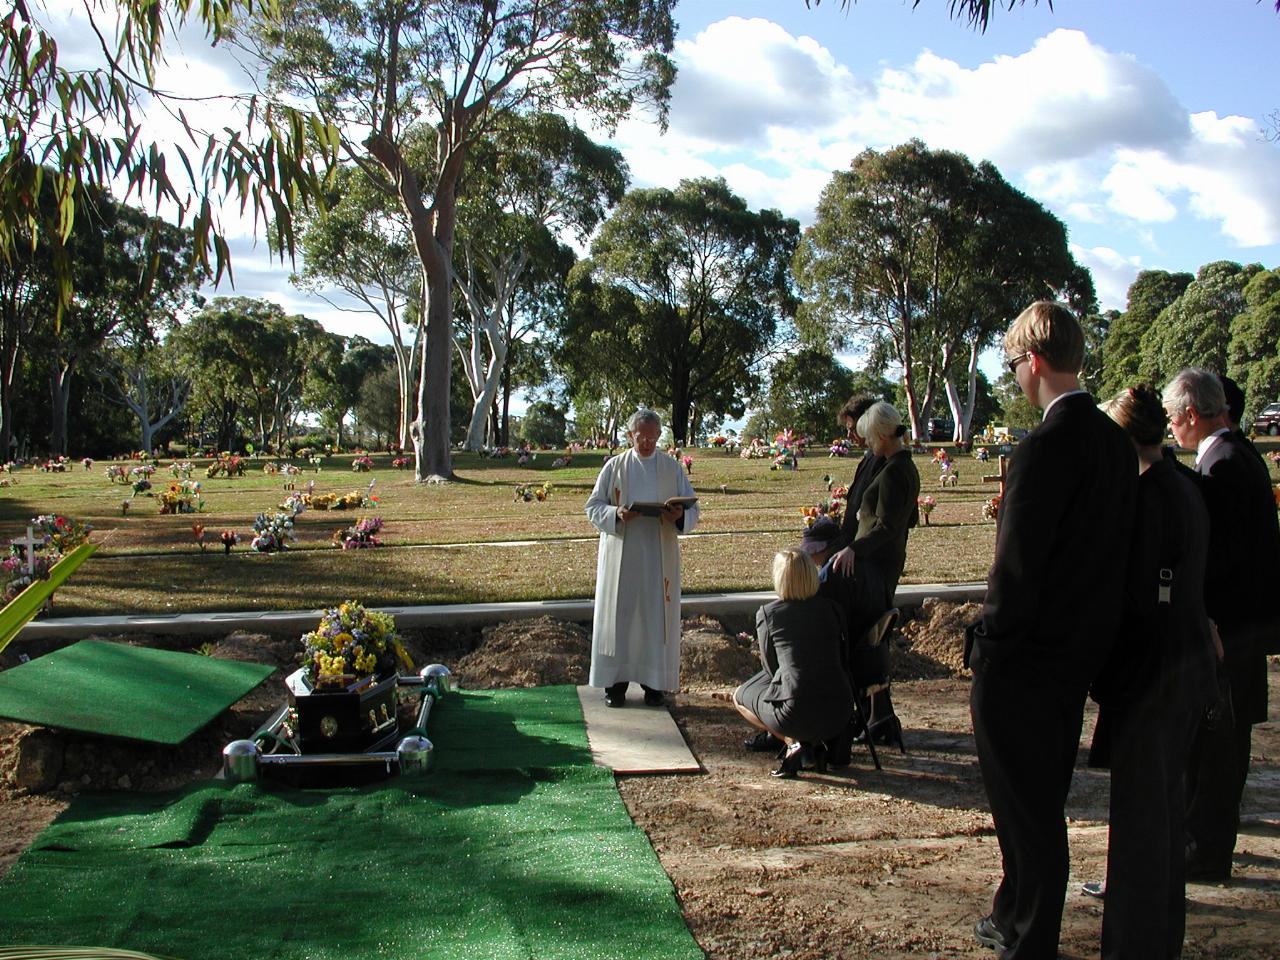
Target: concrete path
point(439, 615)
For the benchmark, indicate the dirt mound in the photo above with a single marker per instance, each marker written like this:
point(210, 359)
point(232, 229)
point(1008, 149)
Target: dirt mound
point(710, 656)
point(931, 646)
point(527, 653)
point(256, 648)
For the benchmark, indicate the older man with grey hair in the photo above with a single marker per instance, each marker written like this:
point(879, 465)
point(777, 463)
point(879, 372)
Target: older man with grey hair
point(1240, 577)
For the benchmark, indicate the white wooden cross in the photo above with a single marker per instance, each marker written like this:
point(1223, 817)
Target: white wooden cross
point(31, 554)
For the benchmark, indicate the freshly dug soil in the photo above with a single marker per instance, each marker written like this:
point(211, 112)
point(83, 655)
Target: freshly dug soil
point(857, 863)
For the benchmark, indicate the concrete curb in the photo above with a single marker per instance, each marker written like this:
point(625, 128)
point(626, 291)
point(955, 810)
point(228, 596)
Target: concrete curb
point(442, 615)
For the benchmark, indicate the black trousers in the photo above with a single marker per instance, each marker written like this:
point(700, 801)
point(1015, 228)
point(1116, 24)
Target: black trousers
point(1145, 914)
point(1219, 766)
point(1026, 723)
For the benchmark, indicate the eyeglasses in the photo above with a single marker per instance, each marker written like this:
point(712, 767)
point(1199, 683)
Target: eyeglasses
point(1012, 362)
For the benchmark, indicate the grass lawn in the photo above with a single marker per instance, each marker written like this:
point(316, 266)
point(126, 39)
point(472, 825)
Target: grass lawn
point(453, 543)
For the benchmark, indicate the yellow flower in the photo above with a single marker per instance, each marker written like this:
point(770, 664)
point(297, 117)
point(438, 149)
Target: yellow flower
point(341, 640)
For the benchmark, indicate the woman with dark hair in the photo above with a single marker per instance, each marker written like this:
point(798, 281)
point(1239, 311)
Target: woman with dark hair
point(1151, 693)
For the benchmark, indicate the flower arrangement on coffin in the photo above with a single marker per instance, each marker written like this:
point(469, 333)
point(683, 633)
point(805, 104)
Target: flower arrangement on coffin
point(400, 462)
point(529, 492)
point(182, 497)
point(272, 533)
point(362, 533)
point(991, 509)
point(925, 505)
point(352, 641)
point(229, 539)
point(116, 473)
point(182, 469)
point(362, 464)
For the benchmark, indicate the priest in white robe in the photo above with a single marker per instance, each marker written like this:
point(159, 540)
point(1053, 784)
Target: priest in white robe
point(636, 629)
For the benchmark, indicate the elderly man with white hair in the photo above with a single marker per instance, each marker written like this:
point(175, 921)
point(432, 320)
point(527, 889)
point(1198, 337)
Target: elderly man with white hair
point(1243, 564)
point(636, 627)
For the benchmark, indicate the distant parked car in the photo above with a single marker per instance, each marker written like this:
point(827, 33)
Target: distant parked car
point(1268, 420)
point(940, 429)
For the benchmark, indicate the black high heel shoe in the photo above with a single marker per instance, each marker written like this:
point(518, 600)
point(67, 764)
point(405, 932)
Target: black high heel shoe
point(819, 752)
point(791, 762)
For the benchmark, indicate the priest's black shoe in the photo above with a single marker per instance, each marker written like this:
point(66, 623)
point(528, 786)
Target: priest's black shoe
point(763, 742)
point(654, 698)
point(615, 695)
point(989, 935)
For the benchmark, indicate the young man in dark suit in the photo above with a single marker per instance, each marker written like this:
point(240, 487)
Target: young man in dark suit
point(1241, 575)
point(1053, 604)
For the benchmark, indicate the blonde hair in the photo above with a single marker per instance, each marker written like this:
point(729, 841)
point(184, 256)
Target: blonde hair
point(880, 420)
point(795, 577)
point(1050, 331)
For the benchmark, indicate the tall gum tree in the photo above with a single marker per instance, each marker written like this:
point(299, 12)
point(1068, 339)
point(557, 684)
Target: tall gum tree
point(684, 291)
point(536, 179)
point(921, 258)
point(373, 71)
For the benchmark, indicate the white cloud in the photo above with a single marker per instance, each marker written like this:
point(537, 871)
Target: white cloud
point(1112, 271)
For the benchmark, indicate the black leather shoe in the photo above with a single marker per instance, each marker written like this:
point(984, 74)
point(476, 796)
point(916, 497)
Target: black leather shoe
point(989, 935)
point(654, 698)
point(763, 742)
point(615, 695)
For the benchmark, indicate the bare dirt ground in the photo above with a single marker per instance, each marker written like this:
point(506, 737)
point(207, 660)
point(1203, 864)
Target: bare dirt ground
point(850, 864)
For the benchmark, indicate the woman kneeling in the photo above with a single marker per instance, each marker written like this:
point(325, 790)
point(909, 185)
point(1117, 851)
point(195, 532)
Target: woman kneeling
point(803, 692)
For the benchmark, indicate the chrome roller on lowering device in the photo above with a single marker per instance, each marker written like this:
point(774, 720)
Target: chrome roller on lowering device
point(308, 740)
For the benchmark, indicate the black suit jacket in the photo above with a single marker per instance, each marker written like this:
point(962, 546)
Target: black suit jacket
point(1244, 536)
point(866, 471)
point(1056, 588)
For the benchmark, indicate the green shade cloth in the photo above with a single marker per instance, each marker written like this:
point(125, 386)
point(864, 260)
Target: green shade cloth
point(533, 862)
point(115, 690)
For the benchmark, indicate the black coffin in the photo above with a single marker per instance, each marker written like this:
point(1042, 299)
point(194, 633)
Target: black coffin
point(344, 720)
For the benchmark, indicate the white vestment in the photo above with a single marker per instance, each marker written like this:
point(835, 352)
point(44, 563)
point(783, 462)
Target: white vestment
point(636, 629)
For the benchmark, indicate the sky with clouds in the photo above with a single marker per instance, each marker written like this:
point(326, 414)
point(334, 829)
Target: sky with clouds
point(1140, 124)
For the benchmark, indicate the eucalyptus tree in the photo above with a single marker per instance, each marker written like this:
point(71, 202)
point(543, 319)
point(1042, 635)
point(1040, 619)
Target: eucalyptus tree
point(376, 71)
point(249, 363)
point(1253, 354)
point(535, 180)
point(683, 292)
point(360, 245)
point(922, 259)
point(1194, 330)
point(145, 377)
point(1150, 292)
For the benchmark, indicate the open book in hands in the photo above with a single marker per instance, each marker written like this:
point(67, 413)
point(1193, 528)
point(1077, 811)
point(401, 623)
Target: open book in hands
point(654, 508)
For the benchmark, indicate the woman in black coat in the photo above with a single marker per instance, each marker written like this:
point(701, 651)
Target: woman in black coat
point(803, 692)
point(1152, 692)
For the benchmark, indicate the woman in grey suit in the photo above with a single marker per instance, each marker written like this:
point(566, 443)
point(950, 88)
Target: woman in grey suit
point(803, 692)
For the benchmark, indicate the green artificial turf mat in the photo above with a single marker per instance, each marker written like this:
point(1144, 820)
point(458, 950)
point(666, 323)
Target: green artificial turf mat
point(509, 729)
point(115, 690)
point(538, 862)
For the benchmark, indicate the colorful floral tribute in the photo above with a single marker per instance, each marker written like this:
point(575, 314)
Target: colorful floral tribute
point(228, 465)
point(352, 642)
point(991, 509)
point(530, 491)
point(116, 473)
point(182, 497)
point(362, 464)
point(362, 533)
point(53, 536)
point(925, 505)
point(833, 506)
point(272, 532)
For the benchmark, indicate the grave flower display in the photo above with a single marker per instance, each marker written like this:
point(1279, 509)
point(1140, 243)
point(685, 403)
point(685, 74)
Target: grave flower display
point(229, 539)
point(925, 505)
point(350, 642)
point(529, 492)
point(116, 473)
point(362, 464)
point(181, 497)
point(991, 509)
point(52, 537)
point(272, 532)
point(362, 533)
